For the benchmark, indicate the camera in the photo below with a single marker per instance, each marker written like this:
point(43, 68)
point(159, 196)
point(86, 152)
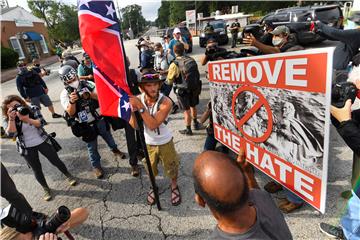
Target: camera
point(341, 92)
point(37, 223)
point(83, 93)
point(21, 109)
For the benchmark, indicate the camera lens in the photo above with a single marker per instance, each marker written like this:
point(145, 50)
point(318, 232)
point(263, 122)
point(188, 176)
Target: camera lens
point(62, 215)
point(23, 110)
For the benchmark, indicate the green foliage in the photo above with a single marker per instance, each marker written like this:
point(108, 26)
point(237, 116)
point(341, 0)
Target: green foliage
point(171, 13)
point(132, 18)
point(8, 58)
point(163, 15)
point(61, 19)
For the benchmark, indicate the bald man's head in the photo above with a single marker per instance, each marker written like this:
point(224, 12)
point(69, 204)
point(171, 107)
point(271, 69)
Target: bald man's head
point(220, 182)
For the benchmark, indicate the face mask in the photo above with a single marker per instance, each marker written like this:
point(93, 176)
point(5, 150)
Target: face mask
point(157, 53)
point(276, 41)
point(74, 84)
point(142, 49)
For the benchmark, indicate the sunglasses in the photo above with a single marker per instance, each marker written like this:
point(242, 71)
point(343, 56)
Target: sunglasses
point(150, 76)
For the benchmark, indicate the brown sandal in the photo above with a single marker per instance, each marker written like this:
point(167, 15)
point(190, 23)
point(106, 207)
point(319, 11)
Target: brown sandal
point(272, 187)
point(176, 192)
point(290, 206)
point(151, 196)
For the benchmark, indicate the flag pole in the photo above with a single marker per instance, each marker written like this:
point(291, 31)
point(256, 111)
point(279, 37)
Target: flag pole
point(141, 134)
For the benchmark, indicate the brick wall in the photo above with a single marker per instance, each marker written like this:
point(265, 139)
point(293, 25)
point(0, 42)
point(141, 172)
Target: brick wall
point(9, 29)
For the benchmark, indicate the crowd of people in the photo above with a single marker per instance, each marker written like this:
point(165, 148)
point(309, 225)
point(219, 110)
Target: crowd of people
point(227, 186)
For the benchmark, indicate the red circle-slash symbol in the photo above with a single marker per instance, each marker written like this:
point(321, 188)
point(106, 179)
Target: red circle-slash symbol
point(261, 102)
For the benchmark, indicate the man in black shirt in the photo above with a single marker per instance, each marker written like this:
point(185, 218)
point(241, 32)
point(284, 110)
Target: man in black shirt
point(241, 210)
point(280, 42)
point(234, 28)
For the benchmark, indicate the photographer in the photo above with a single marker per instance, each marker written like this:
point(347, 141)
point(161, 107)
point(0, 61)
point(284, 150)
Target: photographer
point(78, 216)
point(33, 88)
point(347, 123)
point(26, 123)
point(79, 99)
point(213, 52)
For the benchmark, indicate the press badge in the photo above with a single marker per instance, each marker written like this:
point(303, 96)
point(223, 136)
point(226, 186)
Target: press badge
point(83, 116)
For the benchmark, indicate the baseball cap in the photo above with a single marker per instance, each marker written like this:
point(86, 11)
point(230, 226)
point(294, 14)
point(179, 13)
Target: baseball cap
point(176, 30)
point(281, 29)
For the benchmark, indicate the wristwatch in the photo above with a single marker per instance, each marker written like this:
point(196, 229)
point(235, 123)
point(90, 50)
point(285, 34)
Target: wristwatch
point(141, 110)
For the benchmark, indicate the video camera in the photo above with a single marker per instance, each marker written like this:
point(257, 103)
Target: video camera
point(341, 92)
point(21, 109)
point(37, 223)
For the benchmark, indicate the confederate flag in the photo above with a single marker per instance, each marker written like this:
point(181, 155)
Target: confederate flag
point(101, 39)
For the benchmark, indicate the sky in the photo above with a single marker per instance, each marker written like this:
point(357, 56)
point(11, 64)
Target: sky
point(149, 7)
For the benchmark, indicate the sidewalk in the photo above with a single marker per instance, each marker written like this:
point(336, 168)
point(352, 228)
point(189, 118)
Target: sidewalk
point(9, 74)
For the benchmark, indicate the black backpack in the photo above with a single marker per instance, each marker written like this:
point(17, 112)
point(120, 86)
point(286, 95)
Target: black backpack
point(189, 78)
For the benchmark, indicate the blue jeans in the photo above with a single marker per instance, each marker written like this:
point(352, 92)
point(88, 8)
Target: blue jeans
point(210, 142)
point(293, 197)
point(93, 145)
point(350, 222)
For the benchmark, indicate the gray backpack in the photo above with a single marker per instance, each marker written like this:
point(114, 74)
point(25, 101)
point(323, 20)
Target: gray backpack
point(189, 78)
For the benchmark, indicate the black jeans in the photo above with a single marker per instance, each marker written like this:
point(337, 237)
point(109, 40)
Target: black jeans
point(234, 39)
point(11, 194)
point(347, 47)
point(132, 144)
point(32, 159)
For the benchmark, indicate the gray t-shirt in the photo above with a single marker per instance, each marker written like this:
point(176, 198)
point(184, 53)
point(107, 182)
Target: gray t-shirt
point(31, 135)
point(270, 223)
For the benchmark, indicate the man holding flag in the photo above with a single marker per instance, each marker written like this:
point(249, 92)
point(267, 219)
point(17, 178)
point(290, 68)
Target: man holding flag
point(101, 40)
point(154, 108)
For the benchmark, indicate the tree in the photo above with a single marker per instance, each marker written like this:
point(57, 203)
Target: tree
point(171, 13)
point(163, 15)
point(61, 19)
point(132, 18)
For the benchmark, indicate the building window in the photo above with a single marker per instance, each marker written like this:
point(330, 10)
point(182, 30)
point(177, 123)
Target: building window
point(43, 44)
point(17, 47)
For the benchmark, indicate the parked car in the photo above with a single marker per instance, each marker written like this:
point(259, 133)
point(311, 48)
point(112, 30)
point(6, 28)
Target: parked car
point(298, 20)
point(220, 33)
point(185, 33)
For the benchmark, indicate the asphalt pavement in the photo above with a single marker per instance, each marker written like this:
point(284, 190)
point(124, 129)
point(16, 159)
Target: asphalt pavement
point(117, 204)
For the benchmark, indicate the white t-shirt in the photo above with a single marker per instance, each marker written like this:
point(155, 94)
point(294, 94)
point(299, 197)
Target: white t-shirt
point(31, 135)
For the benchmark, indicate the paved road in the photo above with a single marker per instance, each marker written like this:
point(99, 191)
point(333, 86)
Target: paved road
point(117, 204)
